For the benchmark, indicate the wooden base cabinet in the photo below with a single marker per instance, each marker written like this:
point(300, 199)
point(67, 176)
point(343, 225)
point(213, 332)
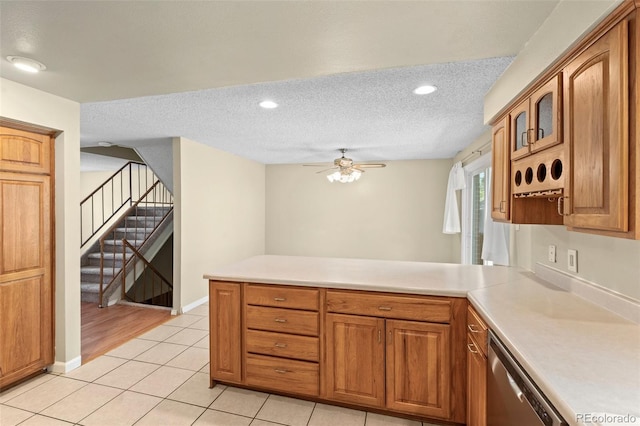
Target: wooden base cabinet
point(476, 369)
point(399, 365)
point(418, 371)
point(397, 353)
point(355, 359)
point(225, 332)
point(26, 254)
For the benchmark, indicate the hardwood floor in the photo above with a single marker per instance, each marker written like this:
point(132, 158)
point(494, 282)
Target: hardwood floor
point(104, 329)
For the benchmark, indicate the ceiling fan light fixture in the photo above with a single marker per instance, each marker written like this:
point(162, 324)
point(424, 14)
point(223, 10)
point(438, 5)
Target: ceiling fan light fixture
point(344, 176)
point(425, 90)
point(26, 64)
point(268, 104)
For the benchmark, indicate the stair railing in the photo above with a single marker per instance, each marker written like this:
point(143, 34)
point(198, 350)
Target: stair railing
point(104, 203)
point(149, 278)
point(157, 200)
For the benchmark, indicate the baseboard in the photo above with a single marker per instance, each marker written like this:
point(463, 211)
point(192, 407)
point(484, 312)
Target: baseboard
point(195, 304)
point(65, 367)
point(620, 304)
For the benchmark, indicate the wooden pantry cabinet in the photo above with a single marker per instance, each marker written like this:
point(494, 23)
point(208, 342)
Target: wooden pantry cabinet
point(397, 353)
point(26, 254)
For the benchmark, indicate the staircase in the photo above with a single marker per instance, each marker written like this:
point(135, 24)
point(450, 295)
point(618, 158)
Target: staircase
point(136, 209)
point(137, 227)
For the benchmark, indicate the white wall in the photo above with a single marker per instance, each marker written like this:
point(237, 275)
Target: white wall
point(89, 181)
point(567, 23)
point(613, 263)
point(29, 105)
point(391, 213)
point(219, 215)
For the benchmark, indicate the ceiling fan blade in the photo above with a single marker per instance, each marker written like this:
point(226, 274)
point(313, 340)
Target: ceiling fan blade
point(326, 170)
point(315, 165)
point(371, 165)
point(356, 167)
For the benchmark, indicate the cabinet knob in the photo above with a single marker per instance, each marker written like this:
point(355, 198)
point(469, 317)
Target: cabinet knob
point(280, 299)
point(384, 308)
point(280, 320)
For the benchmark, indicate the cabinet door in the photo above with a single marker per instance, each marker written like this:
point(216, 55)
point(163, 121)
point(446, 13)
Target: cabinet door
point(22, 151)
point(418, 372)
point(545, 115)
point(26, 284)
point(355, 359)
point(500, 175)
point(476, 385)
point(596, 126)
point(520, 130)
point(225, 331)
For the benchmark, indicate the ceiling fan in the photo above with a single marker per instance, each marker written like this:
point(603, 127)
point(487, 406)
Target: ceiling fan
point(346, 170)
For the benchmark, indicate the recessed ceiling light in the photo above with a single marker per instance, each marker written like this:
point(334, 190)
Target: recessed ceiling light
point(26, 64)
point(425, 90)
point(268, 104)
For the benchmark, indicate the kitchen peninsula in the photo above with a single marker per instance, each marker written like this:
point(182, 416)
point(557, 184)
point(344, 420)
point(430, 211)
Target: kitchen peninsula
point(360, 332)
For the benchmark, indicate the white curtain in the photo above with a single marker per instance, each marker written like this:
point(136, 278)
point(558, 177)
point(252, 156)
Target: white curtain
point(451, 224)
point(495, 246)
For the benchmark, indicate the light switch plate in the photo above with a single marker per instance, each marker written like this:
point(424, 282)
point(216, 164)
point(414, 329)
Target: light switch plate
point(552, 254)
point(572, 260)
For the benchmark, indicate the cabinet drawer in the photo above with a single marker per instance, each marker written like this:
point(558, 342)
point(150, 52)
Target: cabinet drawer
point(283, 374)
point(389, 306)
point(282, 345)
point(282, 297)
point(477, 329)
point(282, 320)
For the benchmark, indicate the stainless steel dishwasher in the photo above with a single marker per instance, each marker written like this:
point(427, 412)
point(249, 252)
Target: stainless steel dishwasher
point(512, 397)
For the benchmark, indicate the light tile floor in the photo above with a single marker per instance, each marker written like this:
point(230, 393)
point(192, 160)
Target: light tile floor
point(162, 378)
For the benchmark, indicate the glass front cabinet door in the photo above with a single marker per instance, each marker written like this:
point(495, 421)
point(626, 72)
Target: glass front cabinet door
point(535, 123)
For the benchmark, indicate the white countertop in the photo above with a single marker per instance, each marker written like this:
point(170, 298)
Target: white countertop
point(584, 358)
point(438, 279)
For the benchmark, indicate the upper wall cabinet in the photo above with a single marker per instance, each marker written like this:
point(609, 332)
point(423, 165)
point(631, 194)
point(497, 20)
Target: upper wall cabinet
point(597, 130)
point(500, 194)
point(536, 122)
point(574, 137)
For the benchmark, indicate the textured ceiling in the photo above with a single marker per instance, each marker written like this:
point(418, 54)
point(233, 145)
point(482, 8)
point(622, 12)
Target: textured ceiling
point(342, 70)
point(374, 114)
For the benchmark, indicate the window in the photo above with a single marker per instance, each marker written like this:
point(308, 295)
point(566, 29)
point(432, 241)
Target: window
point(475, 208)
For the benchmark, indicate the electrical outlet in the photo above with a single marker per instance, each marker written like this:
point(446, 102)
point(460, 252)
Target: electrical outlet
point(552, 254)
point(572, 260)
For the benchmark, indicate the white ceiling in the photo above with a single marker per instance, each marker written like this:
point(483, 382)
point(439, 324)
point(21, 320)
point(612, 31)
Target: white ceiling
point(106, 51)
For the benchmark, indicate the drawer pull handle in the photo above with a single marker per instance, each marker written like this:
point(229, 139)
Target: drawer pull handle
point(280, 299)
point(384, 308)
point(280, 345)
point(471, 347)
point(280, 320)
point(280, 370)
point(472, 328)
